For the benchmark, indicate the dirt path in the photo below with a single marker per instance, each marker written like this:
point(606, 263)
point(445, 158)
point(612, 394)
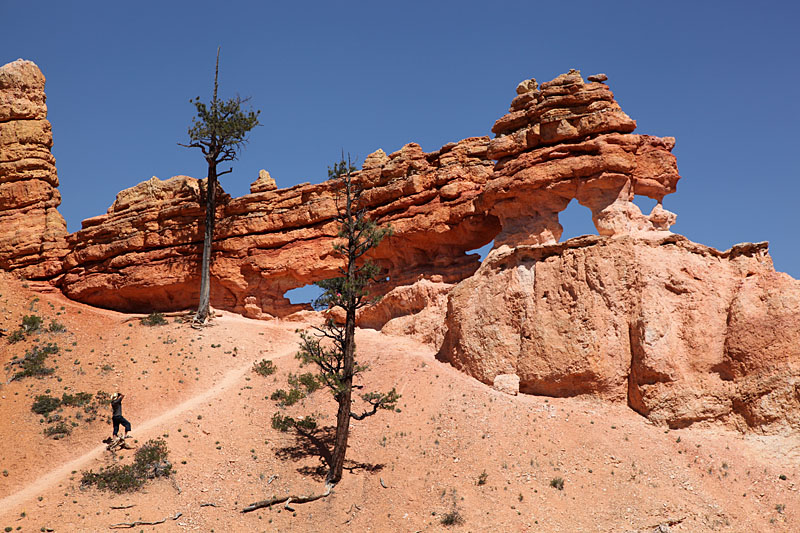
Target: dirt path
point(43, 483)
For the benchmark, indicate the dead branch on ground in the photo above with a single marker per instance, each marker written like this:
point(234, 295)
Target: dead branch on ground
point(289, 500)
point(123, 525)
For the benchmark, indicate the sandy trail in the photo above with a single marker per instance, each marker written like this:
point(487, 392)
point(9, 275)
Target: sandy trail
point(43, 483)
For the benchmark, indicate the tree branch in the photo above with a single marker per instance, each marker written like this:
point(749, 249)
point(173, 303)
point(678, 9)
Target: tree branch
point(289, 499)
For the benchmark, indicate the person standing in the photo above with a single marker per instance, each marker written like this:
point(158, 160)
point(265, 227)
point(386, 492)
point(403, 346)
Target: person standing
point(116, 415)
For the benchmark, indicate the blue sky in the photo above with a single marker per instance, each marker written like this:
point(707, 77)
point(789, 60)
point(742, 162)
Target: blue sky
point(721, 77)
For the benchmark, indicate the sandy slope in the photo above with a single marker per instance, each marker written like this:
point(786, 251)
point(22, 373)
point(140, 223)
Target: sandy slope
point(620, 473)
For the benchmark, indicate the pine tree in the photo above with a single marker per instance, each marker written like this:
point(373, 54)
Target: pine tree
point(220, 131)
point(331, 349)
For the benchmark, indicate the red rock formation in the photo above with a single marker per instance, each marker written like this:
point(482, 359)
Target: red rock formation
point(143, 253)
point(31, 229)
point(416, 310)
point(680, 331)
point(569, 139)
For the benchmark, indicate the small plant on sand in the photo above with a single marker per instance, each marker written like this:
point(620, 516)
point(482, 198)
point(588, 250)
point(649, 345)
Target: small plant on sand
point(78, 399)
point(56, 327)
point(482, 478)
point(265, 367)
point(33, 364)
point(31, 324)
point(154, 319)
point(453, 516)
point(150, 462)
point(557, 483)
point(57, 430)
point(45, 404)
point(16, 336)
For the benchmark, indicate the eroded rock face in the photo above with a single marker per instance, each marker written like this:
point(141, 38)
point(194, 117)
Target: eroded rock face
point(32, 231)
point(143, 254)
point(416, 310)
point(568, 139)
point(681, 332)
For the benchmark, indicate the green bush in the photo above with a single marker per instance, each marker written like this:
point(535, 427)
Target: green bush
point(76, 400)
point(557, 483)
point(56, 327)
point(44, 404)
point(57, 430)
point(31, 324)
point(33, 362)
point(149, 462)
point(16, 336)
point(265, 367)
point(154, 319)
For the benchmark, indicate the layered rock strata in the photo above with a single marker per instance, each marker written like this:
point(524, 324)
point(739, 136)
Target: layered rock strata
point(143, 254)
point(568, 139)
point(680, 331)
point(32, 231)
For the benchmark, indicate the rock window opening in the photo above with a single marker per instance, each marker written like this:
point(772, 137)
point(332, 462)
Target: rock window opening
point(303, 295)
point(576, 221)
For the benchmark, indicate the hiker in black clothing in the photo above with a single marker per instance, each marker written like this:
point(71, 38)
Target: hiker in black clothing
point(116, 416)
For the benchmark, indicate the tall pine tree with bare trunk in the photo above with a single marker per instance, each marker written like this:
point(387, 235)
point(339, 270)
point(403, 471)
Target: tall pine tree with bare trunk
point(220, 131)
point(331, 349)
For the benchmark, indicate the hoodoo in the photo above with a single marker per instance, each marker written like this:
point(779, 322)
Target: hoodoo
point(32, 231)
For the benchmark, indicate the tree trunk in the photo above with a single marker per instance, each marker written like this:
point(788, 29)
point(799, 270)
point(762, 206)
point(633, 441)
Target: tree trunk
point(208, 240)
point(345, 398)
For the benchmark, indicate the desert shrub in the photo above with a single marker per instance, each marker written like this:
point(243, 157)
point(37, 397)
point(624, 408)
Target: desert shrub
point(102, 397)
point(557, 483)
point(76, 400)
point(482, 478)
point(31, 324)
point(56, 327)
point(452, 518)
point(149, 462)
point(154, 319)
point(265, 367)
point(57, 430)
point(33, 362)
point(116, 478)
point(44, 404)
point(152, 453)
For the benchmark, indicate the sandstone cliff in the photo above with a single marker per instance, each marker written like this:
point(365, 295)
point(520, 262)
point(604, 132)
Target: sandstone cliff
point(143, 254)
point(32, 230)
point(678, 330)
